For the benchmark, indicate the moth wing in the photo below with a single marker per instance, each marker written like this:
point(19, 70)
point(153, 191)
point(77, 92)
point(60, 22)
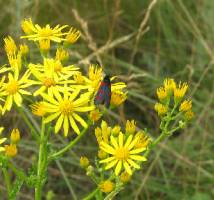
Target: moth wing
point(107, 95)
point(99, 98)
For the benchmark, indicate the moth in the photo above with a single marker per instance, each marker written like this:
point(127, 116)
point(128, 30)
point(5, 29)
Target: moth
point(103, 95)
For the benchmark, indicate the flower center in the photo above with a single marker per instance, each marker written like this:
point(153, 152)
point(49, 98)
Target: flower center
point(48, 82)
point(122, 153)
point(66, 107)
point(12, 87)
point(46, 32)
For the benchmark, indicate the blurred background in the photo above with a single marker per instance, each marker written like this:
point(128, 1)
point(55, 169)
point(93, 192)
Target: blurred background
point(141, 41)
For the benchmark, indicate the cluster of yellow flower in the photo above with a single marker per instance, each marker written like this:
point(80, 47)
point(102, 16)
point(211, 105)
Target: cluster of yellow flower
point(118, 149)
point(171, 97)
point(10, 150)
point(60, 91)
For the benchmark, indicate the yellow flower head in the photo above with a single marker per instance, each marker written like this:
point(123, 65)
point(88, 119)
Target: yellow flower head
point(103, 133)
point(189, 115)
point(130, 126)
point(101, 154)
point(10, 46)
point(160, 109)
point(38, 109)
point(24, 49)
point(122, 153)
point(15, 61)
point(10, 150)
point(118, 97)
point(106, 186)
point(27, 26)
point(116, 130)
point(162, 93)
point(143, 140)
point(37, 33)
point(84, 162)
point(62, 55)
point(95, 115)
point(185, 106)
point(95, 73)
point(125, 177)
point(44, 45)
point(73, 36)
point(79, 78)
point(180, 91)
point(65, 107)
point(15, 136)
point(169, 85)
point(15, 88)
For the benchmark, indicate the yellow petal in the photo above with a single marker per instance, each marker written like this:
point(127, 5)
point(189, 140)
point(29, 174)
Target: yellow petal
point(2, 140)
point(74, 125)
point(121, 139)
point(80, 120)
point(66, 126)
point(137, 157)
point(59, 123)
point(133, 164)
point(107, 159)
point(51, 117)
point(138, 150)
point(131, 145)
point(111, 164)
point(114, 142)
point(18, 99)
point(107, 148)
point(127, 168)
point(118, 167)
point(128, 141)
point(84, 109)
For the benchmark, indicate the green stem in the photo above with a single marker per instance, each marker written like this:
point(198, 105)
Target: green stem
point(42, 164)
point(7, 180)
point(70, 145)
point(91, 195)
point(114, 192)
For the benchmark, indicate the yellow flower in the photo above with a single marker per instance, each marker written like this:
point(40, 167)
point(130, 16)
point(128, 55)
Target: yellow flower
point(61, 55)
point(38, 109)
point(15, 88)
point(27, 26)
point(51, 76)
point(2, 90)
point(161, 93)
point(130, 127)
point(189, 115)
point(44, 45)
point(84, 162)
point(169, 85)
point(180, 91)
point(10, 150)
point(95, 115)
point(65, 108)
point(160, 109)
point(24, 49)
point(15, 136)
point(143, 140)
point(122, 153)
point(117, 98)
point(10, 46)
point(1, 129)
point(116, 130)
point(103, 133)
point(37, 33)
point(185, 106)
point(79, 78)
point(125, 177)
point(106, 186)
point(73, 36)
point(101, 154)
point(15, 61)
